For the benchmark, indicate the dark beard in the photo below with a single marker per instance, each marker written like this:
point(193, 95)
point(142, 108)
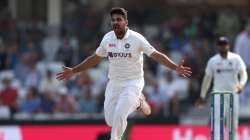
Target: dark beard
point(116, 27)
point(119, 33)
point(223, 53)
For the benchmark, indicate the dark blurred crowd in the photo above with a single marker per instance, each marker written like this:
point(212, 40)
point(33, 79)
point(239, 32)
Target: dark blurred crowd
point(31, 53)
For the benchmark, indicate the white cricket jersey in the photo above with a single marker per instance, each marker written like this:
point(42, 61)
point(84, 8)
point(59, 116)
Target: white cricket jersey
point(125, 55)
point(225, 72)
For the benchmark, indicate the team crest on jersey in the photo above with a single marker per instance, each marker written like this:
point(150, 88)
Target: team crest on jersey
point(127, 46)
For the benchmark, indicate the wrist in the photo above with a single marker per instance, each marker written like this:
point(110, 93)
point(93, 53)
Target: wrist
point(175, 67)
point(202, 98)
point(240, 86)
point(74, 70)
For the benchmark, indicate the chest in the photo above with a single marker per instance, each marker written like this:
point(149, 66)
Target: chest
point(225, 66)
point(125, 46)
point(123, 50)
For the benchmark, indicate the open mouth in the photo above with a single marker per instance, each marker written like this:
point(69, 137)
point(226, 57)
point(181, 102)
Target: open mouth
point(116, 27)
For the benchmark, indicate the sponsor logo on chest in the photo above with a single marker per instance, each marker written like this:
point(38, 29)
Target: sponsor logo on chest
point(224, 67)
point(120, 53)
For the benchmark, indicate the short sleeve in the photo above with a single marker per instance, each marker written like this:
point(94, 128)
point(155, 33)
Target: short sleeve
point(101, 51)
point(146, 47)
point(209, 68)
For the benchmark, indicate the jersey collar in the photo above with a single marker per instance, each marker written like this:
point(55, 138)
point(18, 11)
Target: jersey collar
point(127, 34)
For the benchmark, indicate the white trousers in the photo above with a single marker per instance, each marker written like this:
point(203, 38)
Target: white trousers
point(121, 99)
point(217, 113)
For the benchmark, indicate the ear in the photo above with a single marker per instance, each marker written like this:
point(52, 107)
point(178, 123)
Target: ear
point(127, 22)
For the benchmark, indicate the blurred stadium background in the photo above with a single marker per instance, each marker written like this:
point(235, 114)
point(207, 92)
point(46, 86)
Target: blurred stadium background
point(37, 37)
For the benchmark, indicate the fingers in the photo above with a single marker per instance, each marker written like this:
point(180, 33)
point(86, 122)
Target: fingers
point(60, 73)
point(183, 75)
point(188, 73)
point(63, 75)
point(60, 77)
point(184, 71)
point(186, 68)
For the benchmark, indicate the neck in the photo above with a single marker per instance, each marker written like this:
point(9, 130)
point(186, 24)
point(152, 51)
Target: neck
point(224, 55)
point(121, 34)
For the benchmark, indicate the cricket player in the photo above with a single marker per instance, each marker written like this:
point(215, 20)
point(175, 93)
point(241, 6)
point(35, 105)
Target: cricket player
point(124, 49)
point(229, 74)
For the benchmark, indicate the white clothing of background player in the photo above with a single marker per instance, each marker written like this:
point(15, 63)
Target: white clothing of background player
point(229, 74)
point(124, 49)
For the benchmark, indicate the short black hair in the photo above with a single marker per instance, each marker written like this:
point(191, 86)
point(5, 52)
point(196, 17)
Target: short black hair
point(119, 11)
point(222, 41)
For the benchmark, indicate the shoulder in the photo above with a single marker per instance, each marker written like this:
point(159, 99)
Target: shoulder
point(214, 58)
point(235, 56)
point(108, 35)
point(136, 35)
point(232, 54)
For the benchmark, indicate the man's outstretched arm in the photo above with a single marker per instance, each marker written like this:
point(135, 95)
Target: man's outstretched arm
point(68, 72)
point(166, 61)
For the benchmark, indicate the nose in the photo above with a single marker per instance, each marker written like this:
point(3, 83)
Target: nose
point(115, 22)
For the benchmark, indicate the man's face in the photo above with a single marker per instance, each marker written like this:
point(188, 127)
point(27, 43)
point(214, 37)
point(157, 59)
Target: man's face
point(224, 48)
point(119, 23)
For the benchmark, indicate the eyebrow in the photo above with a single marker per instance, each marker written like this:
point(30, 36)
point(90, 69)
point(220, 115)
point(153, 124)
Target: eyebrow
point(116, 18)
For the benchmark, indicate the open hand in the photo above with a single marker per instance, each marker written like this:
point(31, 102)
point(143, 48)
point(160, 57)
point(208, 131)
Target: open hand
point(65, 74)
point(182, 70)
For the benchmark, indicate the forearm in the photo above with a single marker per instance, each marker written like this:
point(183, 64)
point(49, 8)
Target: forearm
point(205, 85)
point(89, 62)
point(243, 77)
point(163, 59)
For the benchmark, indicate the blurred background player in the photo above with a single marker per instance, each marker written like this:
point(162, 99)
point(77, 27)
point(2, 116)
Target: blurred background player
point(242, 45)
point(124, 49)
point(229, 74)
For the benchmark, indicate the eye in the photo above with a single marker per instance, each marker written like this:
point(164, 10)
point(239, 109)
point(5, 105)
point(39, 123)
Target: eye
point(119, 19)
